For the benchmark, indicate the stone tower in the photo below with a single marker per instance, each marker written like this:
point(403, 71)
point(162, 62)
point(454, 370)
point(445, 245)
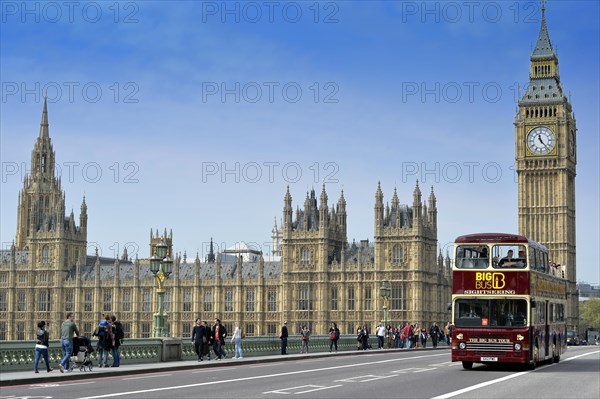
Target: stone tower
point(53, 240)
point(311, 242)
point(545, 133)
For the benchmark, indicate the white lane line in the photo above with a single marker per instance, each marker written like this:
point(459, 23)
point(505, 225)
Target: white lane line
point(147, 376)
point(258, 377)
point(508, 377)
point(283, 390)
point(317, 389)
point(50, 385)
point(582, 355)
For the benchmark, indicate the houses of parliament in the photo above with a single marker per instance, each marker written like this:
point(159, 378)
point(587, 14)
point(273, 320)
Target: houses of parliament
point(316, 275)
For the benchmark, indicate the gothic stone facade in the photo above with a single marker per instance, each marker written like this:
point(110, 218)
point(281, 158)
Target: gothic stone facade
point(319, 277)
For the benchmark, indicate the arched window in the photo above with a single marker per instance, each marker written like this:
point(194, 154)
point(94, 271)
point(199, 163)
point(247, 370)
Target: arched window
point(397, 254)
point(304, 254)
point(45, 254)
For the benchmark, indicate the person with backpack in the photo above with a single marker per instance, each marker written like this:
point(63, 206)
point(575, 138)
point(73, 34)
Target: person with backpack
point(119, 336)
point(105, 339)
point(334, 336)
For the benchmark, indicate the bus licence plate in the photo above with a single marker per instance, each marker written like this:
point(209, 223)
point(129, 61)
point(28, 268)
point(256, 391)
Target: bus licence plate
point(489, 359)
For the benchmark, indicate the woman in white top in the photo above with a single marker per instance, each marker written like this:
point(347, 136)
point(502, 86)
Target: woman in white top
point(236, 339)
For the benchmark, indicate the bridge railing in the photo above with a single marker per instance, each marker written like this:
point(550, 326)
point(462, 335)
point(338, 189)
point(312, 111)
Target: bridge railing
point(19, 355)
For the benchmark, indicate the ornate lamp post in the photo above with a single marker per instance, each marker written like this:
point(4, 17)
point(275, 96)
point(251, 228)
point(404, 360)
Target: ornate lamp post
point(385, 292)
point(161, 266)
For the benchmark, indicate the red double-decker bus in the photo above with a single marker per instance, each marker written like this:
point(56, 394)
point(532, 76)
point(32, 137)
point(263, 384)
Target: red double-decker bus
point(508, 301)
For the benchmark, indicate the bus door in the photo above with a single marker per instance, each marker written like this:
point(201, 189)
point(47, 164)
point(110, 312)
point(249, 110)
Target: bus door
point(546, 329)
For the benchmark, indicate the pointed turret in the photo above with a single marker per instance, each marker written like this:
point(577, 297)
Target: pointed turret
point(44, 123)
point(210, 258)
point(543, 47)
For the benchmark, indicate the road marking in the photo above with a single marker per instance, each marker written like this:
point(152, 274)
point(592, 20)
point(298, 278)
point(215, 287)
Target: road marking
point(508, 377)
point(147, 376)
point(317, 389)
point(364, 378)
point(51, 385)
point(412, 370)
point(582, 355)
point(286, 391)
point(362, 364)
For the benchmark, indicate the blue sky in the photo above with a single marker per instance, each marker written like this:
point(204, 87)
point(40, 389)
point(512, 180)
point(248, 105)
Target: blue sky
point(195, 116)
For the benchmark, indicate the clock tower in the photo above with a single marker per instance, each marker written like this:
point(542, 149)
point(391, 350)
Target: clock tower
point(546, 162)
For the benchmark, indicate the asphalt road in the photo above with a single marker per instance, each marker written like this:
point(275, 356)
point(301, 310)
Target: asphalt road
point(376, 374)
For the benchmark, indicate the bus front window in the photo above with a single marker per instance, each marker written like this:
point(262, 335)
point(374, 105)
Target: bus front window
point(490, 313)
point(472, 257)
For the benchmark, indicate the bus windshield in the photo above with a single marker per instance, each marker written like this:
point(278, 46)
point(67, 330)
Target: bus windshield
point(478, 312)
point(472, 257)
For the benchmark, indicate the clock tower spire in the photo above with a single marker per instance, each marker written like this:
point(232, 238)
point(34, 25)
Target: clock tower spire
point(545, 130)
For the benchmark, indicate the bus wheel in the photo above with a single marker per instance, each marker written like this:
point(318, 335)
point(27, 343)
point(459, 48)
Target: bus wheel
point(467, 365)
point(536, 357)
point(556, 354)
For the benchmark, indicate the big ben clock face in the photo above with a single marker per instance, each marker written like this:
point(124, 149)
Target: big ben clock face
point(541, 140)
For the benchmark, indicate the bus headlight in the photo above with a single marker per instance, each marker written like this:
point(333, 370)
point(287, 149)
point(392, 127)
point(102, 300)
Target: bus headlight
point(462, 346)
point(517, 347)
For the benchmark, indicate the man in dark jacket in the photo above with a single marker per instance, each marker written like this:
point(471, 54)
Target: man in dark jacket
point(119, 336)
point(197, 336)
point(284, 337)
point(218, 335)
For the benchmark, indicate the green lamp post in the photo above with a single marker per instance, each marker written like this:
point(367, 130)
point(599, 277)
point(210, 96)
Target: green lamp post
point(161, 266)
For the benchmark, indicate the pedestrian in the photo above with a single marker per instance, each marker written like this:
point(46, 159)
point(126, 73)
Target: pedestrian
point(423, 337)
point(380, 332)
point(219, 333)
point(68, 329)
point(334, 336)
point(105, 339)
point(304, 338)
point(197, 336)
point(283, 336)
point(449, 334)
point(365, 339)
point(205, 330)
point(41, 347)
point(119, 335)
point(236, 339)
point(408, 335)
point(434, 333)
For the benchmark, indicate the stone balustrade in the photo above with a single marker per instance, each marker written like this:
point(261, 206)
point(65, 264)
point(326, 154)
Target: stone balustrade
point(18, 355)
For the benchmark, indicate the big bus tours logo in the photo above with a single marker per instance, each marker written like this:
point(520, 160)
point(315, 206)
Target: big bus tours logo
point(489, 281)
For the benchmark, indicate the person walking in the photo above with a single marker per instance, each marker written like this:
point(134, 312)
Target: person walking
point(68, 329)
point(41, 347)
point(197, 336)
point(434, 333)
point(236, 340)
point(105, 340)
point(334, 336)
point(119, 335)
point(205, 330)
point(219, 333)
point(284, 337)
point(304, 338)
point(380, 332)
